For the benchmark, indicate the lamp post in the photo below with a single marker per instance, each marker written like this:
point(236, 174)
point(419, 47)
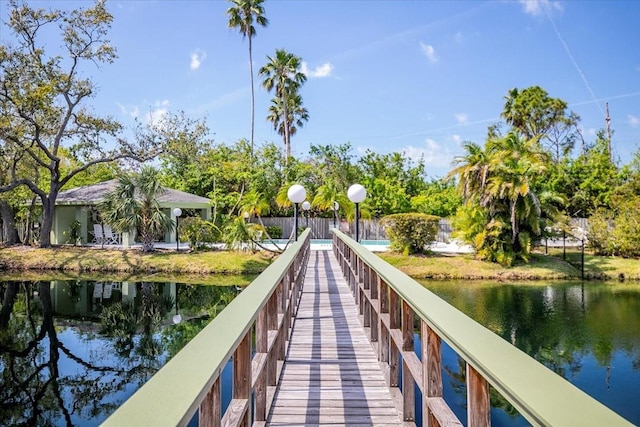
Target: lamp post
point(296, 194)
point(336, 206)
point(305, 207)
point(357, 193)
point(177, 212)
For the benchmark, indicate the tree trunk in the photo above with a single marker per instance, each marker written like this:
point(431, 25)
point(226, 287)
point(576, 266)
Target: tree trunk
point(287, 143)
point(9, 229)
point(47, 221)
point(252, 96)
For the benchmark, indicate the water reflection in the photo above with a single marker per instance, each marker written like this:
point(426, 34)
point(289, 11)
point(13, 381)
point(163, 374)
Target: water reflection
point(72, 351)
point(589, 334)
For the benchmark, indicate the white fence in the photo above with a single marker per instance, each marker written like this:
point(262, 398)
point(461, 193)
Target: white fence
point(369, 229)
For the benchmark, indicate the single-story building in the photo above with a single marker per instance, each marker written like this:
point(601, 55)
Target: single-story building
point(81, 204)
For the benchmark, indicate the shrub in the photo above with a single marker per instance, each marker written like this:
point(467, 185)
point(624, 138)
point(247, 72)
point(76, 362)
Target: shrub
point(198, 232)
point(274, 231)
point(410, 233)
point(619, 234)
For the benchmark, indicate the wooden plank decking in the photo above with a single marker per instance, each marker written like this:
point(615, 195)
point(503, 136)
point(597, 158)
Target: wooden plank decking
point(331, 375)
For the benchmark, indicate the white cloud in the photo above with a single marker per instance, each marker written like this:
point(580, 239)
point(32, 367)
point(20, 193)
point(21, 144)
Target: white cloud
point(320, 71)
point(457, 139)
point(538, 7)
point(433, 153)
point(462, 118)
point(458, 37)
point(197, 57)
point(132, 112)
point(158, 112)
point(429, 52)
point(633, 120)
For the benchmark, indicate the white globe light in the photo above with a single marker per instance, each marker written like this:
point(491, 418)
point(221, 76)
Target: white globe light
point(177, 319)
point(177, 212)
point(297, 193)
point(356, 193)
point(336, 206)
point(306, 205)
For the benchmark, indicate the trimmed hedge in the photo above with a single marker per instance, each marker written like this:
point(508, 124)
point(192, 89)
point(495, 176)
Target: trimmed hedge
point(410, 233)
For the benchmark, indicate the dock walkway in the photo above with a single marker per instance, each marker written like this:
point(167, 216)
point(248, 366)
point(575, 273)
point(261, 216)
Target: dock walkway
point(331, 375)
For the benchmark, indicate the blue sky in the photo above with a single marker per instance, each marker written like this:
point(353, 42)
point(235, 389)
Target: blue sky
point(419, 77)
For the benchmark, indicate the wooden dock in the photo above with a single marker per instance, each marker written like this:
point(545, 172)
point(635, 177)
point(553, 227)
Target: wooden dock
point(331, 375)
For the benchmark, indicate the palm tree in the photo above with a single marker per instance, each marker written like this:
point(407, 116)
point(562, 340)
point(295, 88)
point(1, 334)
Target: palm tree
point(329, 193)
point(133, 204)
point(283, 74)
point(500, 179)
point(297, 114)
point(242, 16)
point(472, 170)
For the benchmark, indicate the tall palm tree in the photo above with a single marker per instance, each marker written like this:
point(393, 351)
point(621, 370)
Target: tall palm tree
point(282, 74)
point(242, 15)
point(297, 114)
point(133, 204)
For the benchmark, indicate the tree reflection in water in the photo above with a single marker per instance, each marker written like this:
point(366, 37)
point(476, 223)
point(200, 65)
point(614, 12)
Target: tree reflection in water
point(70, 354)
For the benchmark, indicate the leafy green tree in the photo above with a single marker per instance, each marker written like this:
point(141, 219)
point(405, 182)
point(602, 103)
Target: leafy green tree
point(283, 75)
point(589, 180)
point(242, 16)
point(186, 141)
point(42, 101)
point(534, 113)
point(391, 181)
point(335, 165)
point(439, 198)
point(133, 205)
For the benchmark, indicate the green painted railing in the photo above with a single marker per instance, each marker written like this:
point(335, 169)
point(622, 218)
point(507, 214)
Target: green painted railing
point(389, 302)
point(191, 381)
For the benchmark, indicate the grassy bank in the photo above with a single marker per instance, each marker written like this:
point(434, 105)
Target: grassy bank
point(77, 259)
point(552, 266)
point(67, 261)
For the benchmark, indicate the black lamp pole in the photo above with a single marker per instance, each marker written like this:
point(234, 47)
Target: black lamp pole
point(357, 221)
point(295, 222)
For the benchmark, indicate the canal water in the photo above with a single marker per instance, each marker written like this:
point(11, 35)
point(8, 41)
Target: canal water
point(71, 351)
point(587, 333)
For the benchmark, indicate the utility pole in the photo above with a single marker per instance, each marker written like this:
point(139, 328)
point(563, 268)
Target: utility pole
point(607, 120)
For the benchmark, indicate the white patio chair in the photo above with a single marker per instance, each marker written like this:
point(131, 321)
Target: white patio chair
point(97, 234)
point(110, 238)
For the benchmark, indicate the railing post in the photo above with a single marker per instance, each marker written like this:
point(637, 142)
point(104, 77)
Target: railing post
point(408, 382)
point(375, 305)
point(262, 345)
point(366, 303)
point(383, 348)
point(431, 370)
point(478, 404)
point(284, 328)
point(272, 324)
point(242, 375)
point(210, 412)
point(394, 353)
